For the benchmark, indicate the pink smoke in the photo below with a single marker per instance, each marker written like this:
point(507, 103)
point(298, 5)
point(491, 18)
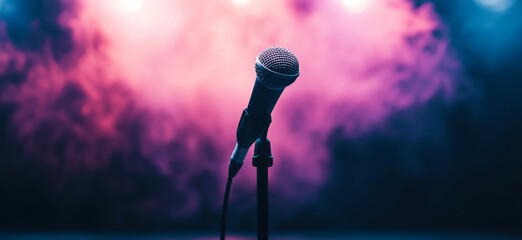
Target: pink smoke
point(179, 73)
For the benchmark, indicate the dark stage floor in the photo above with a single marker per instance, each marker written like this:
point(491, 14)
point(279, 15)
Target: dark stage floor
point(350, 236)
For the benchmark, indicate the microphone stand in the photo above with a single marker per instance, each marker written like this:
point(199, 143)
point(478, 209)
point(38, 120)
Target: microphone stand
point(262, 160)
point(252, 129)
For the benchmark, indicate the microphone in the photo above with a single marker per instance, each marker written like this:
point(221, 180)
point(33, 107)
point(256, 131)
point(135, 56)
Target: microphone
point(276, 68)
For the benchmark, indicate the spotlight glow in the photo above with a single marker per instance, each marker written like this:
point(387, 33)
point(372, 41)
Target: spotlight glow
point(131, 5)
point(241, 2)
point(356, 6)
point(495, 5)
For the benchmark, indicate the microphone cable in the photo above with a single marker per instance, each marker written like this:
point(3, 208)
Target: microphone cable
point(233, 168)
point(225, 208)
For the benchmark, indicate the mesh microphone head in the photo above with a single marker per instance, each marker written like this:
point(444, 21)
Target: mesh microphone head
point(276, 68)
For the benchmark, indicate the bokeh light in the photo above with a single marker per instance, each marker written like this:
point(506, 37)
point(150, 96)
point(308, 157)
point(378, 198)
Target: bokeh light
point(131, 5)
point(495, 5)
point(356, 6)
point(241, 2)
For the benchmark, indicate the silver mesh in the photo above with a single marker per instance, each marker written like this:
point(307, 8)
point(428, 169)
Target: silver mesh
point(277, 68)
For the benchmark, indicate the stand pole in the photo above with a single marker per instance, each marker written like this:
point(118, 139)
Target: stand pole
point(262, 159)
point(262, 203)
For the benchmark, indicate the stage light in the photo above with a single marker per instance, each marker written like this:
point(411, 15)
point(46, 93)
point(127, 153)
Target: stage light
point(495, 5)
point(356, 6)
point(240, 2)
point(131, 5)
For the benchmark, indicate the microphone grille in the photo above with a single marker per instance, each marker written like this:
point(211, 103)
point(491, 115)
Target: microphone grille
point(279, 60)
point(276, 68)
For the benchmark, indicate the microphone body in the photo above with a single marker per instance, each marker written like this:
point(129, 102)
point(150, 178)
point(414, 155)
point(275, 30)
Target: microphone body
point(276, 68)
point(263, 99)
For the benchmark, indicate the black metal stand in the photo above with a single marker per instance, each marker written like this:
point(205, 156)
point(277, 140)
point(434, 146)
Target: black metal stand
point(262, 160)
